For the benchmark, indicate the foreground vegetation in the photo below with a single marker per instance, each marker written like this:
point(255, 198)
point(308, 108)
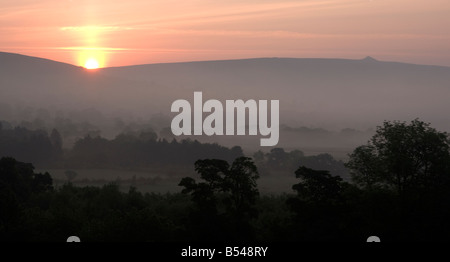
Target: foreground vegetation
point(401, 193)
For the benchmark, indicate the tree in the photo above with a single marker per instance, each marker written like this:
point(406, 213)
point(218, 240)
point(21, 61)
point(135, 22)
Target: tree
point(319, 205)
point(241, 183)
point(259, 157)
point(21, 179)
point(70, 174)
point(402, 156)
point(237, 182)
point(226, 188)
point(277, 158)
point(317, 185)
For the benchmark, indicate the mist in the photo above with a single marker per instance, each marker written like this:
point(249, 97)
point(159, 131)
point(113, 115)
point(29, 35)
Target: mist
point(329, 94)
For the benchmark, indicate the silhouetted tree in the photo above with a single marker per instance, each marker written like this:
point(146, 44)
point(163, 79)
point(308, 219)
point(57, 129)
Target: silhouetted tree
point(18, 183)
point(317, 185)
point(21, 179)
point(240, 181)
point(404, 171)
point(402, 156)
point(230, 187)
point(318, 206)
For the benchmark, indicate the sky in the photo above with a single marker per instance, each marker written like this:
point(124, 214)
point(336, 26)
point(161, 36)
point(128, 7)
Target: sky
point(119, 33)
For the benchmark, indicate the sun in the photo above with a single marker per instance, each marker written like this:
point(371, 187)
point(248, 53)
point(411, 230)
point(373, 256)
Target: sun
point(91, 57)
point(91, 63)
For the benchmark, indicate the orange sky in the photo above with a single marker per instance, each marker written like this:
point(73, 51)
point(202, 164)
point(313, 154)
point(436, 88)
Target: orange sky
point(129, 32)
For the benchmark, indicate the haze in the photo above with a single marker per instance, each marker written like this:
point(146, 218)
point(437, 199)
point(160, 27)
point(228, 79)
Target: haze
point(314, 94)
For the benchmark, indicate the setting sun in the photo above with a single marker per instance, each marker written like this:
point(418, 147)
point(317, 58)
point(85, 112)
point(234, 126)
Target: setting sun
point(91, 57)
point(91, 63)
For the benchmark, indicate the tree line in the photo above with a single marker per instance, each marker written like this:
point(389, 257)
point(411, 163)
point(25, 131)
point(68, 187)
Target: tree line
point(399, 192)
point(144, 149)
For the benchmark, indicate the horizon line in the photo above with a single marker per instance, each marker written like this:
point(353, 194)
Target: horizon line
point(369, 58)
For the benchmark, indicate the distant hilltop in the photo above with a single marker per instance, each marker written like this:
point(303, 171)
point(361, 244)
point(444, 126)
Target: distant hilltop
point(369, 59)
point(14, 58)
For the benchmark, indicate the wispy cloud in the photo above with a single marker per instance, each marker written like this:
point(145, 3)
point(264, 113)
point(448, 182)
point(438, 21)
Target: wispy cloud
point(282, 34)
point(95, 28)
point(239, 11)
point(83, 48)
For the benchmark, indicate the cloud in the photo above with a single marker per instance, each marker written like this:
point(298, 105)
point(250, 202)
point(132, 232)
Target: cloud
point(83, 48)
point(95, 28)
point(283, 34)
point(243, 10)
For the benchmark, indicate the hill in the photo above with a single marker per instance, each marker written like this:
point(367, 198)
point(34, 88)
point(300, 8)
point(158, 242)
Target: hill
point(316, 93)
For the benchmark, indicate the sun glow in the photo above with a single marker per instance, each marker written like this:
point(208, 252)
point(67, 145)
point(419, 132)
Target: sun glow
point(91, 58)
point(91, 63)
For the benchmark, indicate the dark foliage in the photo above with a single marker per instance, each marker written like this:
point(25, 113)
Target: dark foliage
point(137, 150)
point(280, 160)
point(31, 146)
point(18, 184)
point(403, 157)
point(226, 197)
point(143, 151)
point(225, 204)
